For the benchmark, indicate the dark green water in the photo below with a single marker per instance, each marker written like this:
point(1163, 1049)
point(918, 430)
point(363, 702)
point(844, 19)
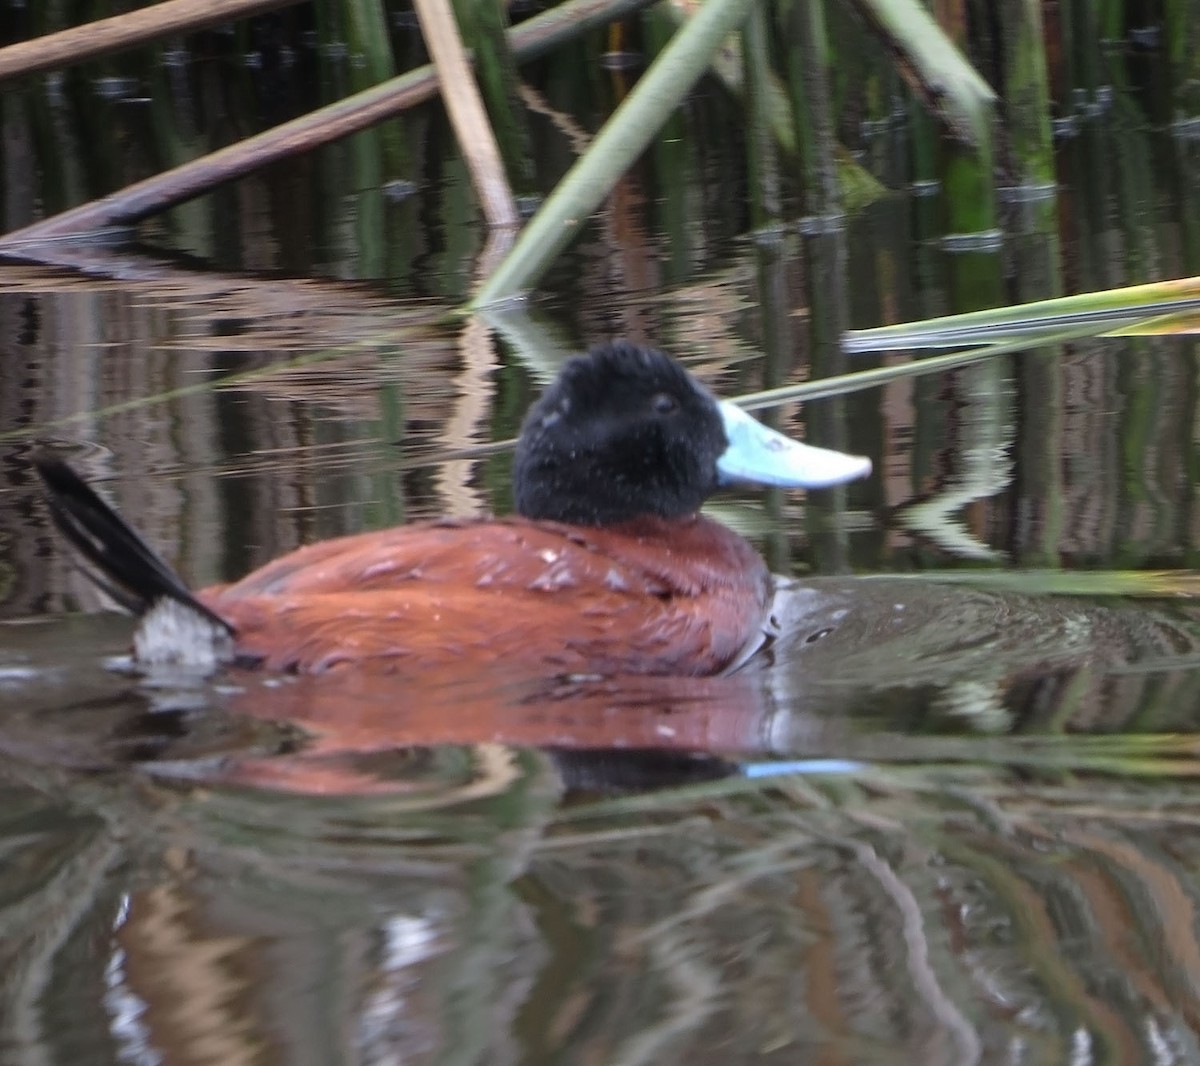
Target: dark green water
point(1001, 858)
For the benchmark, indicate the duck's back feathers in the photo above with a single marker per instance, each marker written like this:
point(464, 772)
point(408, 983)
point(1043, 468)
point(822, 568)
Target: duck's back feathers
point(649, 597)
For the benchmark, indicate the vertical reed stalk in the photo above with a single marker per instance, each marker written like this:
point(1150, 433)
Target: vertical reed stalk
point(973, 275)
point(970, 200)
point(1035, 246)
point(763, 159)
point(1181, 29)
point(803, 27)
point(376, 154)
point(1027, 100)
point(802, 23)
point(367, 34)
point(770, 260)
point(476, 139)
point(672, 164)
point(484, 25)
point(829, 317)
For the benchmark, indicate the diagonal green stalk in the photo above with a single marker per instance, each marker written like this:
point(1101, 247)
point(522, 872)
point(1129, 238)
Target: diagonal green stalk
point(1105, 310)
point(934, 65)
point(624, 137)
point(843, 384)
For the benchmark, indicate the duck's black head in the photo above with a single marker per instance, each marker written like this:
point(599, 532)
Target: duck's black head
point(623, 432)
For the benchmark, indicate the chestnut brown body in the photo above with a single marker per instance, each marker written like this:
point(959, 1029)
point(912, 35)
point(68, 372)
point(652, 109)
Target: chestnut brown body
point(673, 596)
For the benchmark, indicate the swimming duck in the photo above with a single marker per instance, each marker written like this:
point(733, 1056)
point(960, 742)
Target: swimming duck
point(606, 567)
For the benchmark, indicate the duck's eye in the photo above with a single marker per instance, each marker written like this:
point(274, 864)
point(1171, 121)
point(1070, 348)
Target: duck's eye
point(664, 404)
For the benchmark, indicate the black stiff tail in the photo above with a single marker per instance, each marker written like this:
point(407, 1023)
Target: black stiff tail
point(122, 564)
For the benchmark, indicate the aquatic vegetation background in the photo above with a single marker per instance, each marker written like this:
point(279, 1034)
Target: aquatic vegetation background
point(1007, 863)
point(807, 75)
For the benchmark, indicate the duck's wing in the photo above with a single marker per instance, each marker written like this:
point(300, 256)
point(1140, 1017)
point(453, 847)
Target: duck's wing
point(548, 598)
point(499, 553)
point(425, 629)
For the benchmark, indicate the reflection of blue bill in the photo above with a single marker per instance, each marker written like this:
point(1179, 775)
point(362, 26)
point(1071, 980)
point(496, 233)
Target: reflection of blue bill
point(802, 766)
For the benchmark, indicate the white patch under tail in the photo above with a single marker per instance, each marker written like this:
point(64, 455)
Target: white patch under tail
point(172, 634)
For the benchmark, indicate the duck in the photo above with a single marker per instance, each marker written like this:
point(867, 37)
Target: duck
point(607, 565)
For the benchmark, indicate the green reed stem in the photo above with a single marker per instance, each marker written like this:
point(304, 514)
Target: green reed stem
point(623, 138)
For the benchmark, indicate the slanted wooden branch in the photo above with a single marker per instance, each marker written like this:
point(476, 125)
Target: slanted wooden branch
point(531, 39)
point(476, 140)
point(124, 31)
